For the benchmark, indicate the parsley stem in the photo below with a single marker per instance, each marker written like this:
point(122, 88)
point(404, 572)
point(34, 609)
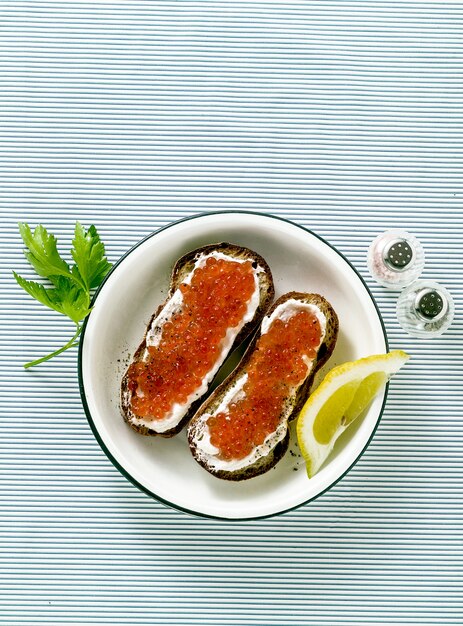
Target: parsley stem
point(69, 344)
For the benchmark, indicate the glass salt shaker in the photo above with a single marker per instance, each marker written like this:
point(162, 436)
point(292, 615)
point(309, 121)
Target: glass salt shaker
point(395, 259)
point(425, 309)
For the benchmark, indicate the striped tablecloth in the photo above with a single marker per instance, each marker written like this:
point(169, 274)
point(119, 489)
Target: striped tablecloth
point(345, 117)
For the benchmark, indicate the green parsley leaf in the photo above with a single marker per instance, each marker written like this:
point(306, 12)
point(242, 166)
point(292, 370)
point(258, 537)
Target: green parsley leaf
point(38, 292)
point(66, 298)
point(70, 294)
point(42, 252)
point(89, 255)
point(73, 300)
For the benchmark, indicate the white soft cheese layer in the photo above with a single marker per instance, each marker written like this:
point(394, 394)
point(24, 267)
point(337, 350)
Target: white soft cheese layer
point(154, 334)
point(287, 309)
point(209, 452)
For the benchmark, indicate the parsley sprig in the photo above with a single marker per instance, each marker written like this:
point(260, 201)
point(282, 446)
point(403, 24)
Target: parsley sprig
point(70, 293)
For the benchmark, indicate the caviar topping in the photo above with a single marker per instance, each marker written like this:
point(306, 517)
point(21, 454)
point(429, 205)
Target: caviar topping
point(191, 342)
point(279, 364)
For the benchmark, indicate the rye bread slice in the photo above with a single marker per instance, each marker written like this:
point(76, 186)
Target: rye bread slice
point(181, 270)
point(294, 406)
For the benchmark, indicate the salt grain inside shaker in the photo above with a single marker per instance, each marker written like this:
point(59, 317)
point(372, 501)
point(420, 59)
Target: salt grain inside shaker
point(425, 309)
point(395, 259)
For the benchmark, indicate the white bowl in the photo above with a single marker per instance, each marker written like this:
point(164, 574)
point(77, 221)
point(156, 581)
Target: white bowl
point(138, 283)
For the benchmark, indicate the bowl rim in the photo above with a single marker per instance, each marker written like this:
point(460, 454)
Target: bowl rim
point(100, 440)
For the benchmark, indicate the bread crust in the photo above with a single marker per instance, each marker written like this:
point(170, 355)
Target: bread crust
point(265, 463)
point(180, 270)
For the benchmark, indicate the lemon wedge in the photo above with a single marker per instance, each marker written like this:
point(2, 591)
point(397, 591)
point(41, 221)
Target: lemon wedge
point(343, 395)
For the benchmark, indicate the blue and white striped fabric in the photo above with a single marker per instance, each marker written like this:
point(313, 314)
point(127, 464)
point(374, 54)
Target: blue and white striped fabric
point(345, 117)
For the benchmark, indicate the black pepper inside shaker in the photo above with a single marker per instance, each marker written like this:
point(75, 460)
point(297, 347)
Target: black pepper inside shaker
point(425, 309)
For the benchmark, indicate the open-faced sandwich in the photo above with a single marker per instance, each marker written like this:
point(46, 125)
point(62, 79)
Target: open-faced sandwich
point(218, 295)
point(241, 430)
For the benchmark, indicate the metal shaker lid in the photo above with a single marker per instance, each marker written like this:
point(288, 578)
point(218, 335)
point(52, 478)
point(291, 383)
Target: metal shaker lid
point(398, 255)
point(431, 305)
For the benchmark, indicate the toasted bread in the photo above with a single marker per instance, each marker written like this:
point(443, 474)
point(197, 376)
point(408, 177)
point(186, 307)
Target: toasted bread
point(275, 445)
point(169, 426)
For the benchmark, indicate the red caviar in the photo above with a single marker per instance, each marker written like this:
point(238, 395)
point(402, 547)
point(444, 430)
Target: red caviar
point(276, 366)
point(215, 300)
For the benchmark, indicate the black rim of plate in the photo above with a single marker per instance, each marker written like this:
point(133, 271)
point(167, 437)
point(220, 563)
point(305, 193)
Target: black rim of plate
point(122, 470)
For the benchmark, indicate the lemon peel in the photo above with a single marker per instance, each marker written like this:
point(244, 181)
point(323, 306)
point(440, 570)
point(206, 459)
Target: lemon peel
point(343, 395)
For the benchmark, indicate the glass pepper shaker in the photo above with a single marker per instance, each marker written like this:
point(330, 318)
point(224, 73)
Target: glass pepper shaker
point(425, 309)
point(395, 259)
